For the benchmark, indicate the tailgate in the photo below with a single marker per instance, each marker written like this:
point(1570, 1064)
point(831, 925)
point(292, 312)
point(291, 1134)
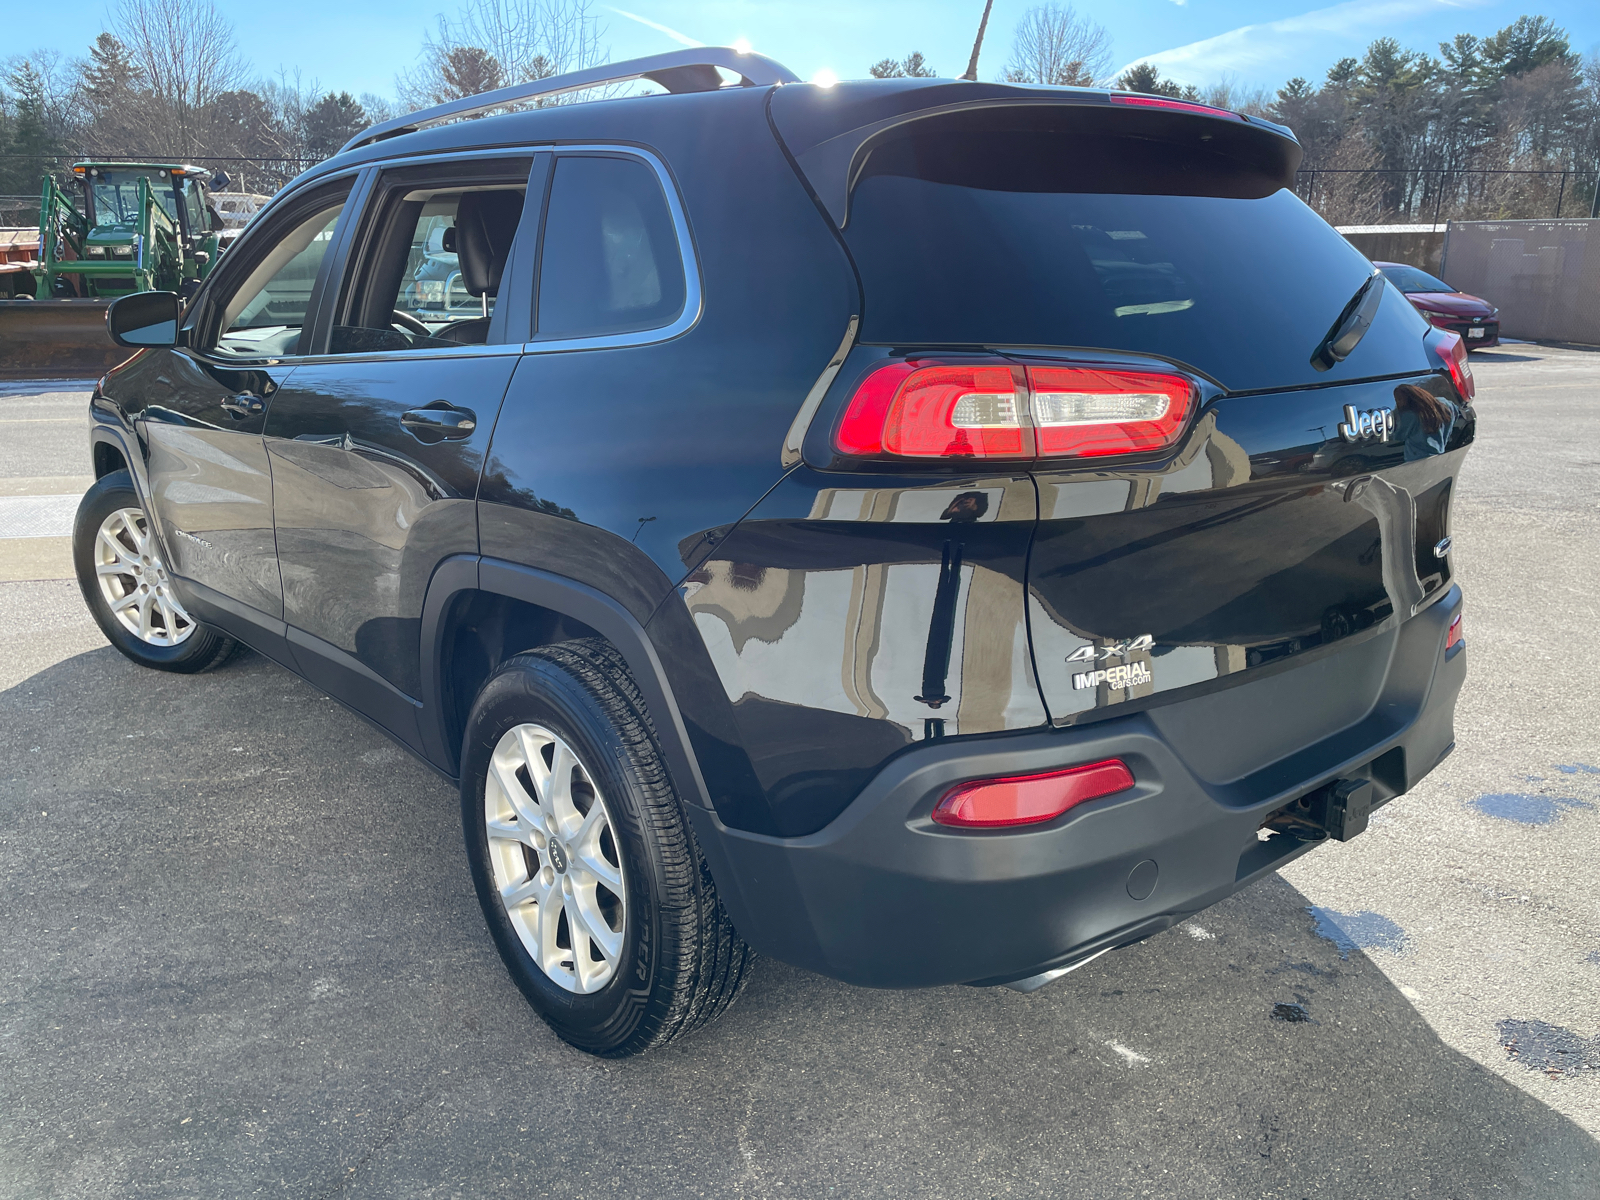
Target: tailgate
point(1263, 543)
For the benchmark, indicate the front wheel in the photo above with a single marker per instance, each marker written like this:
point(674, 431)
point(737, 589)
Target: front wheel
point(126, 586)
point(591, 882)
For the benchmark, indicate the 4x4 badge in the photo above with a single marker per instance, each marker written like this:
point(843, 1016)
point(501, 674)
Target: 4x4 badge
point(1137, 645)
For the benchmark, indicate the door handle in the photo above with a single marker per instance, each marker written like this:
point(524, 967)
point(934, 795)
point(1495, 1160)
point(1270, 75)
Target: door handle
point(245, 404)
point(436, 423)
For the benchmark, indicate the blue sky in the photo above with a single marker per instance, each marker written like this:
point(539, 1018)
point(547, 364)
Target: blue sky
point(358, 45)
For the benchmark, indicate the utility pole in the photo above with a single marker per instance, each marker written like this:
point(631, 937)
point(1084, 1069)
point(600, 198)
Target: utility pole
point(972, 67)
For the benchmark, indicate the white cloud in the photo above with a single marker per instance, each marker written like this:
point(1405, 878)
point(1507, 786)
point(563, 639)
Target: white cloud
point(1250, 47)
point(683, 39)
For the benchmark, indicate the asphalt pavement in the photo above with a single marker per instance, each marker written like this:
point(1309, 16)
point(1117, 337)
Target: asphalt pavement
point(243, 957)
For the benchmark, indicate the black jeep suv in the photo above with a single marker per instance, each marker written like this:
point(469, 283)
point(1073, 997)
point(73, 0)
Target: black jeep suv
point(906, 528)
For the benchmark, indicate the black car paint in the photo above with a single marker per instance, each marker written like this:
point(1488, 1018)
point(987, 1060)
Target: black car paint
point(636, 491)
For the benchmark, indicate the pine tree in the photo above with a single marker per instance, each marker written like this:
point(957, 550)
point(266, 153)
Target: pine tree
point(1143, 77)
point(333, 121)
point(30, 144)
point(912, 66)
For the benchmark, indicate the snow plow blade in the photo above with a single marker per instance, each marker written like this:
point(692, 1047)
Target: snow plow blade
point(56, 339)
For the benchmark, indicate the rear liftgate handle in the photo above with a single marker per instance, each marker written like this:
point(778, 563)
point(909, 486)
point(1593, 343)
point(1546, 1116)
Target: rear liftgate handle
point(439, 422)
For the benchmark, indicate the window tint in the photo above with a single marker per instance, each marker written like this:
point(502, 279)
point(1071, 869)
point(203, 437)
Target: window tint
point(264, 313)
point(610, 262)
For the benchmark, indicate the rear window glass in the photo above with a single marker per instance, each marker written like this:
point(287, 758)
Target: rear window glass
point(610, 260)
point(1243, 289)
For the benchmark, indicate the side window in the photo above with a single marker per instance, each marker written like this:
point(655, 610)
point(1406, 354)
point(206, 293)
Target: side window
point(262, 316)
point(610, 261)
point(433, 267)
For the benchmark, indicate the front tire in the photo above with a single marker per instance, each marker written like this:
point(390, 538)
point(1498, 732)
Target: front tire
point(594, 890)
point(126, 586)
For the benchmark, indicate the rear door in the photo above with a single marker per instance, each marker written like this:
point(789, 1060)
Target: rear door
point(377, 441)
point(1282, 518)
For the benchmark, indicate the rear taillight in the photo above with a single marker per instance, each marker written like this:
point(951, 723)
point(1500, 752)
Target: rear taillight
point(922, 409)
point(1204, 110)
point(1453, 638)
point(1451, 347)
point(1093, 412)
point(1029, 799)
point(938, 411)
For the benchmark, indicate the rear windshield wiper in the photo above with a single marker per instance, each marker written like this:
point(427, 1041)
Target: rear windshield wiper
point(1352, 324)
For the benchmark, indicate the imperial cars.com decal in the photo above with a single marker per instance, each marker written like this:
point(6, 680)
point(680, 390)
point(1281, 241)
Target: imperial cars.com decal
point(1129, 676)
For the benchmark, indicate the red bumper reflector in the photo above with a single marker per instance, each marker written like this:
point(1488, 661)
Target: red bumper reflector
point(1453, 638)
point(1029, 799)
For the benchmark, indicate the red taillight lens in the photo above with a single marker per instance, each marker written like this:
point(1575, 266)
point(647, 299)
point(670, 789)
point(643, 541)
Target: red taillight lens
point(1454, 636)
point(918, 409)
point(1204, 110)
point(940, 411)
point(1092, 412)
point(1452, 348)
point(1029, 799)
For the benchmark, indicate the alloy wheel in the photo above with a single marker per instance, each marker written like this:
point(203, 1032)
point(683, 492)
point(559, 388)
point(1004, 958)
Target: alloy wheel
point(554, 855)
point(135, 583)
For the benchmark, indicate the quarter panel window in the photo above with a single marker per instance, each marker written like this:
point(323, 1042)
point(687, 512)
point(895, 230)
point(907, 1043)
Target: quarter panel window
point(610, 262)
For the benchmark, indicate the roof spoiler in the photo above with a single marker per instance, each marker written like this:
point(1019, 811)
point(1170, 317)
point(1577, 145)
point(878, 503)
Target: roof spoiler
point(832, 133)
point(692, 70)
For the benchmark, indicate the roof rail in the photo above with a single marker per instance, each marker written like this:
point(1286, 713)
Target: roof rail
point(678, 71)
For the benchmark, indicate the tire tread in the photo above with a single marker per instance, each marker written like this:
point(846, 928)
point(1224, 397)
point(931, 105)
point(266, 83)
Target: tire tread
point(712, 963)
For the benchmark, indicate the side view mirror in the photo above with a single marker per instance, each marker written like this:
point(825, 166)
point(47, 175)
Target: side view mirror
point(144, 319)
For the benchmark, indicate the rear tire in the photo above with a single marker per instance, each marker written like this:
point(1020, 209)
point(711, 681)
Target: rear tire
point(568, 811)
point(125, 584)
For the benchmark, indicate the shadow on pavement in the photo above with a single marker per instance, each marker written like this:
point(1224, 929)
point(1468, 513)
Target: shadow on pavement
point(1497, 356)
point(245, 958)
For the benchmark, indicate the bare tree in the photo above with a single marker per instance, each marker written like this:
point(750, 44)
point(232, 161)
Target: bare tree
point(1053, 44)
point(1348, 191)
point(495, 43)
point(185, 52)
point(1232, 95)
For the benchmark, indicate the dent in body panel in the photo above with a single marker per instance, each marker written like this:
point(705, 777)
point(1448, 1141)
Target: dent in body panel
point(365, 510)
point(844, 623)
point(208, 481)
point(1266, 537)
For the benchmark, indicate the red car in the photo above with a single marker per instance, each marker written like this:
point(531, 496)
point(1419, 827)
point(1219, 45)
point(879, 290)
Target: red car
point(1475, 319)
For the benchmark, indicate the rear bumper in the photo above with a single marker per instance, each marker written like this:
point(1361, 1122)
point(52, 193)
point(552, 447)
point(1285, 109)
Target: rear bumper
point(1476, 335)
point(882, 897)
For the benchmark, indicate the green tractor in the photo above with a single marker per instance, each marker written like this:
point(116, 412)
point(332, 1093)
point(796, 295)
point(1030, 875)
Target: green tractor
point(141, 227)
